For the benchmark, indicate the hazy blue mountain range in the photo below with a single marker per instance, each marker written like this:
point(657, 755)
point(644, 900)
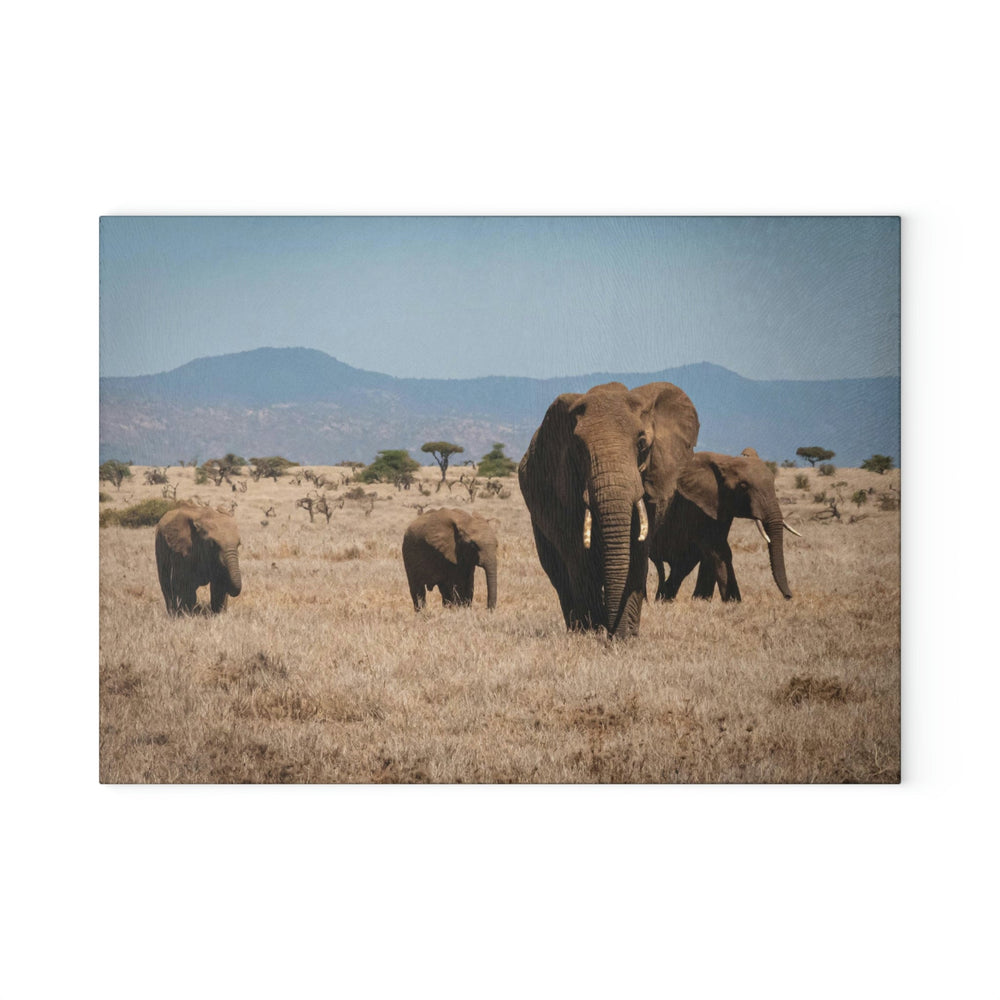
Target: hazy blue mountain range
point(311, 408)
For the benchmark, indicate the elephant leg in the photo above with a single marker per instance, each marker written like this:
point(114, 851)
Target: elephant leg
point(708, 574)
point(555, 570)
point(219, 596)
point(660, 578)
point(449, 593)
point(679, 571)
point(667, 590)
point(418, 592)
point(468, 587)
point(728, 587)
point(185, 598)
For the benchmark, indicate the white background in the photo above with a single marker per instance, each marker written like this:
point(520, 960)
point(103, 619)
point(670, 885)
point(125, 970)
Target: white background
point(302, 108)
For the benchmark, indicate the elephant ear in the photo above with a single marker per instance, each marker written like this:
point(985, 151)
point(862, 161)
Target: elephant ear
point(545, 473)
point(176, 529)
point(671, 419)
point(699, 483)
point(440, 531)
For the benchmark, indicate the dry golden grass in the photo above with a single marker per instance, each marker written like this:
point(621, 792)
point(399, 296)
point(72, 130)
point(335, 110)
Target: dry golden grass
point(322, 672)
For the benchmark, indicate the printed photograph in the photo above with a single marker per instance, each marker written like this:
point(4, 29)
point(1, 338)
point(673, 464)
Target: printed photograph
point(491, 500)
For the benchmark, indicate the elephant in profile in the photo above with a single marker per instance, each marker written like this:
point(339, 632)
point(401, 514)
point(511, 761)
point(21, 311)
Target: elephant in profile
point(442, 549)
point(600, 470)
point(195, 546)
point(712, 489)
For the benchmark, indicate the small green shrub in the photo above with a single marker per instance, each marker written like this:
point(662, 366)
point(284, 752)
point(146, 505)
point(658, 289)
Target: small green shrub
point(819, 497)
point(826, 469)
point(860, 498)
point(788, 464)
point(496, 464)
point(802, 481)
point(773, 466)
point(141, 515)
point(105, 497)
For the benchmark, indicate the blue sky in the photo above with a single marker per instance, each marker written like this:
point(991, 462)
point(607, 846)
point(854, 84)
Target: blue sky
point(457, 297)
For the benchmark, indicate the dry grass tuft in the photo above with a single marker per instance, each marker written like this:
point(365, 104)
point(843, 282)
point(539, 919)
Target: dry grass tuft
point(800, 689)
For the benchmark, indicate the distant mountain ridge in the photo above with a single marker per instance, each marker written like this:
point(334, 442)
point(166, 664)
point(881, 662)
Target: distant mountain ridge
point(310, 407)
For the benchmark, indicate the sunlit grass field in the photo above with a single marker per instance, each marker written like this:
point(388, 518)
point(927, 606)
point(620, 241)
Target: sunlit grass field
point(320, 671)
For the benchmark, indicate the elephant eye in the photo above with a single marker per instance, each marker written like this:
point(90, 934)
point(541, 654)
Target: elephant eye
point(743, 485)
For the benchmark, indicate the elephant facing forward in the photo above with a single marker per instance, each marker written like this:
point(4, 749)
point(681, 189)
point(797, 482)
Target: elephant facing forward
point(442, 549)
point(712, 489)
point(197, 546)
point(598, 474)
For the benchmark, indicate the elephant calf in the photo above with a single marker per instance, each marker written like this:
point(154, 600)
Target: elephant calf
point(195, 546)
point(442, 549)
point(712, 489)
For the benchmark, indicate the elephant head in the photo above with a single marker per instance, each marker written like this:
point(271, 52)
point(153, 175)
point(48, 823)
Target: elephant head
point(197, 546)
point(442, 548)
point(598, 469)
point(727, 486)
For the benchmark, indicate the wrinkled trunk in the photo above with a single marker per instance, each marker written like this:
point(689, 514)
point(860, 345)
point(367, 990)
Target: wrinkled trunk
point(776, 552)
point(612, 498)
point(233, 569)
point(491, 583)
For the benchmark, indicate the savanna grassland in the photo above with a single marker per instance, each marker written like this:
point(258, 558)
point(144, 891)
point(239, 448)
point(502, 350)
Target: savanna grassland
point(320, 671)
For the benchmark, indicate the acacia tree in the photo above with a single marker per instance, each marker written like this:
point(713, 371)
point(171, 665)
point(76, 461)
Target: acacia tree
point(442, 452)
point(388, 465)
point(814, 455)
point(114, 471)
point(878, 463)
point(269, 467)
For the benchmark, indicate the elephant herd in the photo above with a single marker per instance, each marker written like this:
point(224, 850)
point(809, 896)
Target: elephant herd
point(611, 481)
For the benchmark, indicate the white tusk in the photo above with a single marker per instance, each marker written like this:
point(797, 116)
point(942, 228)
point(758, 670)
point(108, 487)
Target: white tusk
point(760, 528)
point(643, 520)
point(587, 521)
point(790, 528)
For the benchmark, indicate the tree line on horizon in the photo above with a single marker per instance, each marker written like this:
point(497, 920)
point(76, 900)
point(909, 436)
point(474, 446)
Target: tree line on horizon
point(391, 464)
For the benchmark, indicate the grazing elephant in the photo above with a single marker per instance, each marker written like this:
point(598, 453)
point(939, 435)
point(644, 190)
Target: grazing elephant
point(711, 490)
point(195, 546)
point(442, 549)
point(599, 470)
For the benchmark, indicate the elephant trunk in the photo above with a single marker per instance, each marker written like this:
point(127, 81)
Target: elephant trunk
point(233, 571)
point(776, 553)
point(491, 583)
point(613, 496)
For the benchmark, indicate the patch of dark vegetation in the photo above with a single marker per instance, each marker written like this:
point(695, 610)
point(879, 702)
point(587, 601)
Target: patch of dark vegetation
point(141, 515)
point(817, 689)
point(249, 674)
point(225, 759)
point(120, 680)
point(157, 739)
point(390, 771)
point(344, 555)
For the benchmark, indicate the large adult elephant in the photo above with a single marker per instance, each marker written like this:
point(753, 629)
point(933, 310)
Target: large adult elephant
point(713, 489)
point(442, 549)
point(599, 470)
point(195, 546)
